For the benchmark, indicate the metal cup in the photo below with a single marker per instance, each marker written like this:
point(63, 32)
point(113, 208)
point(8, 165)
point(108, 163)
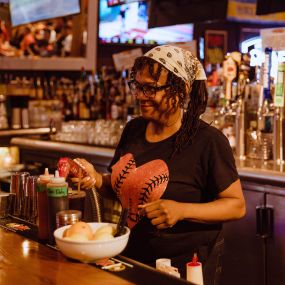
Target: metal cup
point(30, 212)
point(18, 191)
point(67, 217)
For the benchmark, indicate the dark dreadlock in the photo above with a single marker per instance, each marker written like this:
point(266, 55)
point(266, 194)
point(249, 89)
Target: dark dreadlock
point(196, 98)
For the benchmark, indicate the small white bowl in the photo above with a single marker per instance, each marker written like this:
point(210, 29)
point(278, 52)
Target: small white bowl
point(92, 250)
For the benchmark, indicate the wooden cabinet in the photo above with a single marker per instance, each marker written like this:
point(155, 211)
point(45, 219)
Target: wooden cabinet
point(246, 252)
point(276, 245)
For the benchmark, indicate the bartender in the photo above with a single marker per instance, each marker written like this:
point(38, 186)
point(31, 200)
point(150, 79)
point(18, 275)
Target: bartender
point(175, 173)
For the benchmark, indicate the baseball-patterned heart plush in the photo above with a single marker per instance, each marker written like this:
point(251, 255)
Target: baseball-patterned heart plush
point(136, 186)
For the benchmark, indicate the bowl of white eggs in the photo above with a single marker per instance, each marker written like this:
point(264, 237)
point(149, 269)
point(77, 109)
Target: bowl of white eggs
point(90, 242)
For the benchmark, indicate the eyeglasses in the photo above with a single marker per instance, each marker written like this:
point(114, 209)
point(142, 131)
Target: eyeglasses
point(148, 90)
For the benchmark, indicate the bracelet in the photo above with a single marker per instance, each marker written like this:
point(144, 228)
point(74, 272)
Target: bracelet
point(105, 179)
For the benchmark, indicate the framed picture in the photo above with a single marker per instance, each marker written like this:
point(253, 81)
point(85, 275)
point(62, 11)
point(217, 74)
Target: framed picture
point(215, 46)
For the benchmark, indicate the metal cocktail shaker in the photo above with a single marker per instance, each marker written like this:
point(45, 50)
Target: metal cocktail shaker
point(18, 192)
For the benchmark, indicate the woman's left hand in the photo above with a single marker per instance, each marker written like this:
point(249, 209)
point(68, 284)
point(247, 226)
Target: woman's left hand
point(162, 213)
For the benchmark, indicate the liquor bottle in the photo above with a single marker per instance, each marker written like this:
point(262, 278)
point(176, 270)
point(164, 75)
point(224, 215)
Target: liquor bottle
point(100, 97)
point(108, 97)
point(46, 89)
point(266, 111)
point(67, 102)
point(3, 104)
point(95, 104)
point(81, 84)
point(243, 76)
point(52, 87)
point(240, 118)
point(116, 109)
point(83, 75)
point(278, 150)
point(92, 96)
point(280, 86)
point(255, 88)
point(75, 101)
point(3, 112)
point(130, 113)
point(252, 148)
point(39, 89)
point(266, 114)
point(83, 106)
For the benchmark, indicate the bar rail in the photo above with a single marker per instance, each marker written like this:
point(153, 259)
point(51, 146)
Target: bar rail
point(25, 132)
point(62, 147)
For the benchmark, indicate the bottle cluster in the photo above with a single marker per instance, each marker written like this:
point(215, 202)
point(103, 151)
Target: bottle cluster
point(247, 104)
point(80, 96)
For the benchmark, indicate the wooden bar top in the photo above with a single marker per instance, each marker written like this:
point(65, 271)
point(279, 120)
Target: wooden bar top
point(26, 262)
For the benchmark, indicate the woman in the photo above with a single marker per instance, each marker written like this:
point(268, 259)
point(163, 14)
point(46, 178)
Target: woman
point(174, 172)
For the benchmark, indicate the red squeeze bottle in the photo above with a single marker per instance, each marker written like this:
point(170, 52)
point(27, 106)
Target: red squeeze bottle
point(43, 227)
point(68, 166)
point(194, 272)
point(63, 166)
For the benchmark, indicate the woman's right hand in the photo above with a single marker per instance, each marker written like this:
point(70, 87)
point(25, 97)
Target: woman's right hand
point(94, 178)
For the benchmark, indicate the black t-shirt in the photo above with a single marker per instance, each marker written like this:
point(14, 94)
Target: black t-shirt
point(198, 174)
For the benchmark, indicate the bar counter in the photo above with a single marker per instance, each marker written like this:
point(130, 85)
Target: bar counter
point(24, 261)
point(263, 184)
point(63, 147)
point(249, 169)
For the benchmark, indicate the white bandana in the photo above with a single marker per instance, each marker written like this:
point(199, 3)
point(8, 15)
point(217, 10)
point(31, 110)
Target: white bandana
point(179, 61)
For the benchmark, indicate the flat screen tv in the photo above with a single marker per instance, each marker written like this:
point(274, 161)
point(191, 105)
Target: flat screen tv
point(128, 23)
point(28, 11)
point(174, 12)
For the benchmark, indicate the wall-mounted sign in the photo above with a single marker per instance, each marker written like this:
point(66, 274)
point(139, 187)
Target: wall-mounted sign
point(245, 10)
point(215, 46)
point(190, 46)
point(125, 59)
point(274, 38)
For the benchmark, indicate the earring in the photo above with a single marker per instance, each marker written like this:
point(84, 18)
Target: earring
point(182, 101)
